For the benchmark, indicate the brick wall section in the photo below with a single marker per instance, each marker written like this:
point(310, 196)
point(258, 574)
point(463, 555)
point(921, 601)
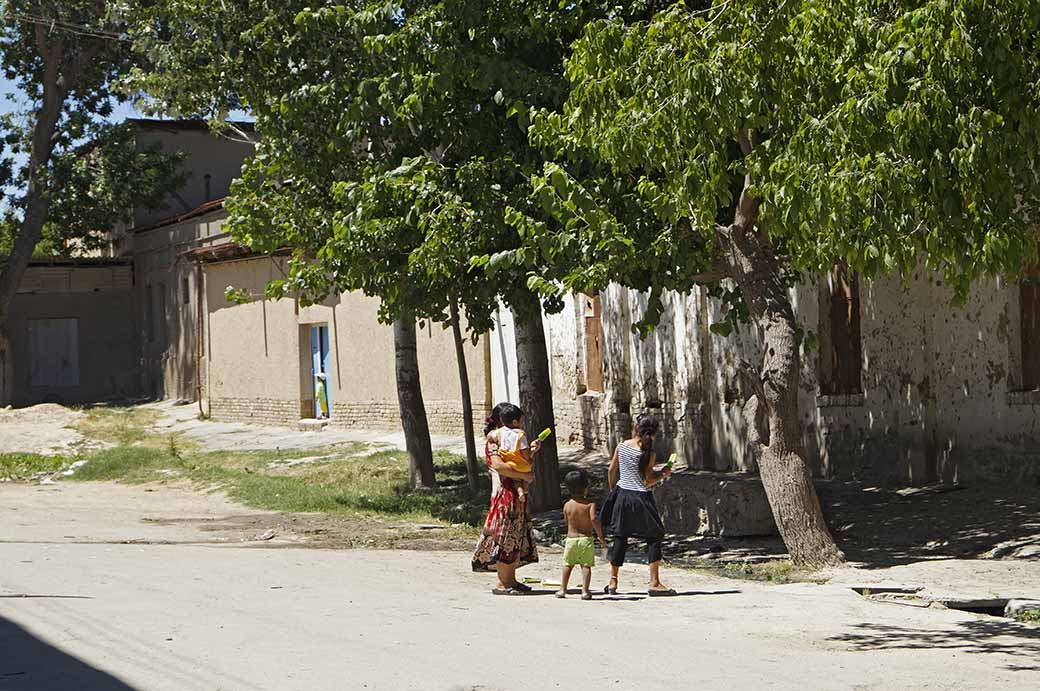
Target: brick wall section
point(258, 411)
point(445, 417)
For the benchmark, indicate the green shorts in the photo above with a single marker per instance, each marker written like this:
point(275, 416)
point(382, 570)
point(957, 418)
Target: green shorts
point(579, 551)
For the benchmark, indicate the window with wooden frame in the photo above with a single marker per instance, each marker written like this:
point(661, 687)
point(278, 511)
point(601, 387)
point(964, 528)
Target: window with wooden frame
point(1029, 327)
point(593, 343)
point(841, 352)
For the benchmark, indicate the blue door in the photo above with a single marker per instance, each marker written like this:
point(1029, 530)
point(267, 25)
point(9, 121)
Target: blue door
point(320, 361)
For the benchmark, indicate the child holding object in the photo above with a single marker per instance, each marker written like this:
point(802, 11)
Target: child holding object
point(580, 550)
point(630, 510)
point(512, 446)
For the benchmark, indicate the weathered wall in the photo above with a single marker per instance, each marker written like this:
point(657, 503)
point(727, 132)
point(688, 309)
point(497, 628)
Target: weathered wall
point(165, 283)
point(205, 154)
point(101, 301)
point(938, 401)
point(258, 358)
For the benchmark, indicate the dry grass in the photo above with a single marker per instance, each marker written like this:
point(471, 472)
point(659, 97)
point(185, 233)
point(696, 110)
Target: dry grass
point(345, 479)
point(118, 425)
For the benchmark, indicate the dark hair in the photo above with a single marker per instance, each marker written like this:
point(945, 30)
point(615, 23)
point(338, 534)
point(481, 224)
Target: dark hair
point(577, 482)
point(645, 429)
point(494, 420)
point(510, 414)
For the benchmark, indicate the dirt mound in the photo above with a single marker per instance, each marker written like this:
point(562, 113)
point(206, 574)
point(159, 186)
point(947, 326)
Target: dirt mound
point(51, 413)
point(42, 429)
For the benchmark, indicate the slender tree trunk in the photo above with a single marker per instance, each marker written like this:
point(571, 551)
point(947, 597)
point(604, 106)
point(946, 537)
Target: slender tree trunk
point(35, 211)
point(410, 401)
point(532, 364)
point(467, 401)
point(781, 457)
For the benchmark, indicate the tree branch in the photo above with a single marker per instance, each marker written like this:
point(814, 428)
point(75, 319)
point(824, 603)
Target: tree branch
point(747, 206)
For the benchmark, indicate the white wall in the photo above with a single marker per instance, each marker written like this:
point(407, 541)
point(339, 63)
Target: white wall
point(505, 384)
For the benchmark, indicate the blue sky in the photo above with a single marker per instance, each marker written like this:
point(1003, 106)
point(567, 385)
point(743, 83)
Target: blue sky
point(7, 87)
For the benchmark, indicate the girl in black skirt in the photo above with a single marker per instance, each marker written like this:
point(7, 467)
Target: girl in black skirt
point(630, 510)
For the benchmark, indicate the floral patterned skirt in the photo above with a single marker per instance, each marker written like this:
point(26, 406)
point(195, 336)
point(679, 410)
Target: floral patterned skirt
point(507, 536)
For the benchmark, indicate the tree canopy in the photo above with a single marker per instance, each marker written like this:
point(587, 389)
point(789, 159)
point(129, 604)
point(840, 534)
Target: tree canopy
point(67, 174)
point(878, 134)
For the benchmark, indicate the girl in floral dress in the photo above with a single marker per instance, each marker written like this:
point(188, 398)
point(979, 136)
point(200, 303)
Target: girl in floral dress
point(507, 540)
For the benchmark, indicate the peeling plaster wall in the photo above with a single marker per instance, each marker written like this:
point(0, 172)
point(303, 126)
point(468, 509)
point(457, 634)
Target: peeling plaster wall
point(168, 353)
point(938, 399)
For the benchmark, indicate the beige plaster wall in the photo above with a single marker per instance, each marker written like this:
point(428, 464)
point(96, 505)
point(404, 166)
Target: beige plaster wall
point(205, 153)
point(258, 357)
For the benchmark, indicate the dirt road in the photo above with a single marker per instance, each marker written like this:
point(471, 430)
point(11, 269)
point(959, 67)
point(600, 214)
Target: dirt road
point(82, 608)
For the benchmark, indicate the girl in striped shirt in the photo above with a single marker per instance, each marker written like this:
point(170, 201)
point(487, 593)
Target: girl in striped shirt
point(630, 510)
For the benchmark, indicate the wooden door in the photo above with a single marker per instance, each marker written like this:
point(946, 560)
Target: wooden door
point(54, 353)
point(593, 343)
point(842, 374)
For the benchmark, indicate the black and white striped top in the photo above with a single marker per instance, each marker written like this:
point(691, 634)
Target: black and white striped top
point(628, 466)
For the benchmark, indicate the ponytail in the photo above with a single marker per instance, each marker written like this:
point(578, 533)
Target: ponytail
point(645, 429)
point(494, 420)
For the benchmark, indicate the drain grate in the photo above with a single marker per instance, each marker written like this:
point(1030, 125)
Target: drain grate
point(1003, 607)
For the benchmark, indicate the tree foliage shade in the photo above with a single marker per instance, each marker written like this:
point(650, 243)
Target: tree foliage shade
point(67, 174)
point(885, 132)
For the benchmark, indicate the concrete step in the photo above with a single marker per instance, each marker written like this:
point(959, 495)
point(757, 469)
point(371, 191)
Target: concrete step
point(311, 425)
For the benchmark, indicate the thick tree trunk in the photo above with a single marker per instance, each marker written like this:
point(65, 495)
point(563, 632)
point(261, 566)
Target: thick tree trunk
point(532, 364)
point(781, 458)
point(467, 401)
point(410, 401)
point(30, 231)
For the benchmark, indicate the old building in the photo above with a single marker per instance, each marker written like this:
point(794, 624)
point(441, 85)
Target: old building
point(192, 216)
point(72, 336)
point(897, 385)
point(259, 360)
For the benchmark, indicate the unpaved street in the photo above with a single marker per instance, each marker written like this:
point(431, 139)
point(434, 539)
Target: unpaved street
point(83, 608)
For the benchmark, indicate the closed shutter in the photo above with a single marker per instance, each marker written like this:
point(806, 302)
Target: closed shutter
point(593, 343)
point(843, 358)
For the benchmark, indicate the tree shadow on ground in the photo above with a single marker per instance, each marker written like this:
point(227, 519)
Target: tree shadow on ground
point(975, 637)
point(882, 527)
point(30, 663)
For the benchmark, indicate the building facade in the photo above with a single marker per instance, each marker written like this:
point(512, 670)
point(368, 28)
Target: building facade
point(898, 384)
point(72, 338)
point(260, 360)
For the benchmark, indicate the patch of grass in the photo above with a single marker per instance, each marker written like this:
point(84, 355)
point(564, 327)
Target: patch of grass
point(1029, 616)
point(22, 465)
point(117, 425)
point(778, 572)
point(128, 464)
point(339, 481)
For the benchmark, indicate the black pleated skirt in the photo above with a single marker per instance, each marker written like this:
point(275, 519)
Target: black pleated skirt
point(630, 513)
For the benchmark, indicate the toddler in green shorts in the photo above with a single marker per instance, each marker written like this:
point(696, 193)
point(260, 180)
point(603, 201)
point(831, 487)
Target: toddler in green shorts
point(582, 520)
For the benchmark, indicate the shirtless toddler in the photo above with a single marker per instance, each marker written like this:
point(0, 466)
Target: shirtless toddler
point(582, 521)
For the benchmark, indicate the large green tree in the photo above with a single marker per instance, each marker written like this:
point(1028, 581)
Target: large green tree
point(67, 174)
point(393, 138)
point(762, 141)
